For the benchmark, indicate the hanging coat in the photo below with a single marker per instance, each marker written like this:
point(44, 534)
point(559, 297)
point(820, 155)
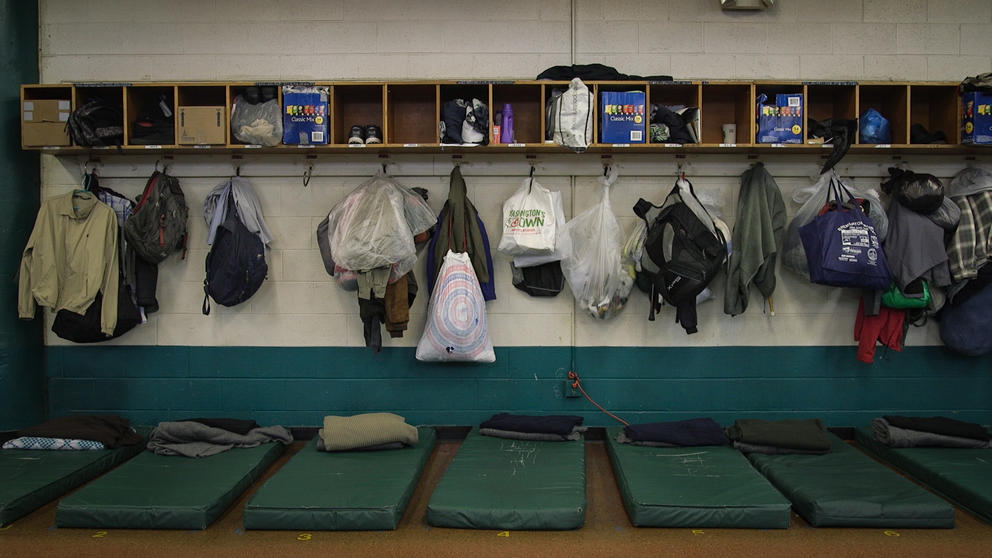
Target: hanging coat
point(460, 229)
point(757, 239)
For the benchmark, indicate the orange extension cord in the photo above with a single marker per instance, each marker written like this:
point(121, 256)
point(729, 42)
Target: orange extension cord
point(577, 383)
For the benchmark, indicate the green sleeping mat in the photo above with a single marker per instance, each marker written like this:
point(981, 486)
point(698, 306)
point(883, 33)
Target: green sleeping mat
point(707, 486)
point(349, 490)
point(30, 479)
point(495, 483)
point(962, 475)
point(166, 492)
point(846, 488)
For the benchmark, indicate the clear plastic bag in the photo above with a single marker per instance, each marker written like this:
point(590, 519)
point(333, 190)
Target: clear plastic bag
point(257, 124)
point(590, 245)
point(375, 224)
point(793, 253)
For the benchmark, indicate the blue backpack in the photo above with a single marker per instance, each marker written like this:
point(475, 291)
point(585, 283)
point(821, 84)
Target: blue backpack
point(235, 263)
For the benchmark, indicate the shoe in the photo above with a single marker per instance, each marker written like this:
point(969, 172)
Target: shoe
point(373, 134)
point(357, 135)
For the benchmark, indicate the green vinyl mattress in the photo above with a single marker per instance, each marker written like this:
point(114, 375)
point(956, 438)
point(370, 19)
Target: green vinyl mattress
point(345, 490)
point(166, 492)
point(962, 475)
point(706, 486)
point(30, 479)
point(846, 488)
point(496, 483)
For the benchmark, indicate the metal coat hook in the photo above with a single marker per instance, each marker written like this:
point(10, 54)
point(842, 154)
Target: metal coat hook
point(531, 185)
point(307, 174)
point(237, 170)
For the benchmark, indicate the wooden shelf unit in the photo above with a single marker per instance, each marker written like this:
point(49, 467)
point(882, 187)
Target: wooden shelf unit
point(408, 112)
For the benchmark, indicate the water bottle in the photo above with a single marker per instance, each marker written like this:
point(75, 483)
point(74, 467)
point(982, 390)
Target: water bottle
point(506, 128)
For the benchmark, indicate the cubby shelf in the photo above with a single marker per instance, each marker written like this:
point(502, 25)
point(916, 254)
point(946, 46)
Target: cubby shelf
point(408, 113)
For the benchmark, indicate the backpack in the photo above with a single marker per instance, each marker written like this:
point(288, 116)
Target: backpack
point(571, 115)
point(96, 123)
point(683, 251)
point(236, 264)
point(158, 226)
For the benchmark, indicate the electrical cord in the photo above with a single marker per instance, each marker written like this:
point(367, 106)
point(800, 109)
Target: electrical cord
point(577, 384)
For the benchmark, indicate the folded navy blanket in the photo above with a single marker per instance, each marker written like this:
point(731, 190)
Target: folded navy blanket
point(548, 424)
point(692, 432)
point(800, 434)
point(940, 425)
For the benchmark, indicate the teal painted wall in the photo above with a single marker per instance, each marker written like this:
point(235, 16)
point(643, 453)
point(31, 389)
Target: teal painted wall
point(22, 382)
point(298, 386)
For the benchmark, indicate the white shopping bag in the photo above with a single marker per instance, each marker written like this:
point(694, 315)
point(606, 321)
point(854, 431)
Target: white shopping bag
point(529, 221)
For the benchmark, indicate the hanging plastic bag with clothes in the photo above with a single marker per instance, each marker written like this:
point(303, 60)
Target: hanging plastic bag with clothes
point(793, 253)
point(456, 328)
point(590, 245)
point(529, 222)
point(374, 226)
point(256, 120)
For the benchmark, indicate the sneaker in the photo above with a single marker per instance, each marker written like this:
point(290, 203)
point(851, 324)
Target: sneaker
point(357, 135)
point(373, 134)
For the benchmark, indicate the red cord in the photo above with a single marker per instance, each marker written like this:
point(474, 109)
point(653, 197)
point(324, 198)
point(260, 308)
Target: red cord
point(576, 383)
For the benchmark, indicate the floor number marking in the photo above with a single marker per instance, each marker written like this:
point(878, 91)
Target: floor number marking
point(503, 534)
point(304, 536)
point(99, 534)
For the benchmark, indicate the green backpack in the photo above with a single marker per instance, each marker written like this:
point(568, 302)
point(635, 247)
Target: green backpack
point(158, 226)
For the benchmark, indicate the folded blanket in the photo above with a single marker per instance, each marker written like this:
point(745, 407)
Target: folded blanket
point(692, 432)
point(575, 434)
point(547, 424)
point(895, 437)
point(940, 425)
point(238, 426)
point(624, 439)
point(192, 439)
point(110, 430)
point(361, 431)
point(63, 444)
point(379, 447)
point(800, 434)
point(772, 450)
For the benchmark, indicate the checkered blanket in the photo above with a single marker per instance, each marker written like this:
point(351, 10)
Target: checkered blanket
point(36, 443)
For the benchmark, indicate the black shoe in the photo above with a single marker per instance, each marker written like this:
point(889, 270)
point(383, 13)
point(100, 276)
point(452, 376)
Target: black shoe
point(357, 135)
point(373, 134)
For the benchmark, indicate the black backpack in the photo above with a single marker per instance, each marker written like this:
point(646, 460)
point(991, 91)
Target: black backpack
point(682, 253)
point(96, 124)
point(158, 225)
point(236, 264)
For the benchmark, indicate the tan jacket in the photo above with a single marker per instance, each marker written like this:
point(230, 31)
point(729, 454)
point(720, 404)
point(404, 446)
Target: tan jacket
point(70, 257)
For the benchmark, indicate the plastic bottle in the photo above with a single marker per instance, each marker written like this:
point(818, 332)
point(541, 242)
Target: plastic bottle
point(506, 128)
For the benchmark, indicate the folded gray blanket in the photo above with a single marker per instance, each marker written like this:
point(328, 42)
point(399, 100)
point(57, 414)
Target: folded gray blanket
point(624, 439)
point(575, 434)
point(193, 439)
point(895, 437)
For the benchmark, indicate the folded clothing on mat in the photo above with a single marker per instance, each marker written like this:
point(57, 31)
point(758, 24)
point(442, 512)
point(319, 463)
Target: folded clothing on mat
point(365, 431)
point(940, 425)
point(193, 439)
point(238, 426)
point(692, 432)
point(895, 437)
point(794, 434)
point(562, 425)
point(110, 430)
point(575, 434)
point(744, 447)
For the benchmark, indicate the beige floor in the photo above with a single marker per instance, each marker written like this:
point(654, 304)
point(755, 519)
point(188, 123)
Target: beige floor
point(607, 533)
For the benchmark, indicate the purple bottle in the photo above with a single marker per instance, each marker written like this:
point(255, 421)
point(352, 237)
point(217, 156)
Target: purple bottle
point(506, 127)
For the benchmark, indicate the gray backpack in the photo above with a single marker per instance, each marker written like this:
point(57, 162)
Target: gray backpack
point(158, 226)
point(570, 117)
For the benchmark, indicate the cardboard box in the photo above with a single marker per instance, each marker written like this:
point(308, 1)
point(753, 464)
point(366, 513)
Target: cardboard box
point(305, 115)
point(622, 116)
point(202, 126)
point(43, 122)
point(783, 121)
point(976, 122)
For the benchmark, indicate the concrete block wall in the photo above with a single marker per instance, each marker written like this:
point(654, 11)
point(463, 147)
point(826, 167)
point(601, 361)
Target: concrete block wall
point(300, 307)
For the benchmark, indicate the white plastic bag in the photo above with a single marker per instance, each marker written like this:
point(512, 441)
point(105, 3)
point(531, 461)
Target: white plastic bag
point(531, 260)
point(529, 222)
point(590, 245)
point(572, 115)
point(375, 224)
point(793, 253)
point(456, 328)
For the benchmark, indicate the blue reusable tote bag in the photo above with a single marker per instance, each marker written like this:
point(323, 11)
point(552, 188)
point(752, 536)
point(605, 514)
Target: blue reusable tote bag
point(842, 248)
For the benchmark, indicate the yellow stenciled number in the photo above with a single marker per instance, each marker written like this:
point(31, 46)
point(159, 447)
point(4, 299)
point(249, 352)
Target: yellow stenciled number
point(698, 532)
point(891, 533)
point(304, 536)
point(99, 534)
point(503, 534)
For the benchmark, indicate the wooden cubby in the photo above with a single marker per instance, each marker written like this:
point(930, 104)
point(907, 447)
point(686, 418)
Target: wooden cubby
point(142, 100)
point(771, 89)
point(725, 103)
point(891, 100)
point(528, 111)
point(408, 112)
point(411, 114)
point(358, 104)
point(622, 87)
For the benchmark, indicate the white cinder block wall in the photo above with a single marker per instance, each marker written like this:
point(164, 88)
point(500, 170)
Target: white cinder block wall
point(117, 40)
